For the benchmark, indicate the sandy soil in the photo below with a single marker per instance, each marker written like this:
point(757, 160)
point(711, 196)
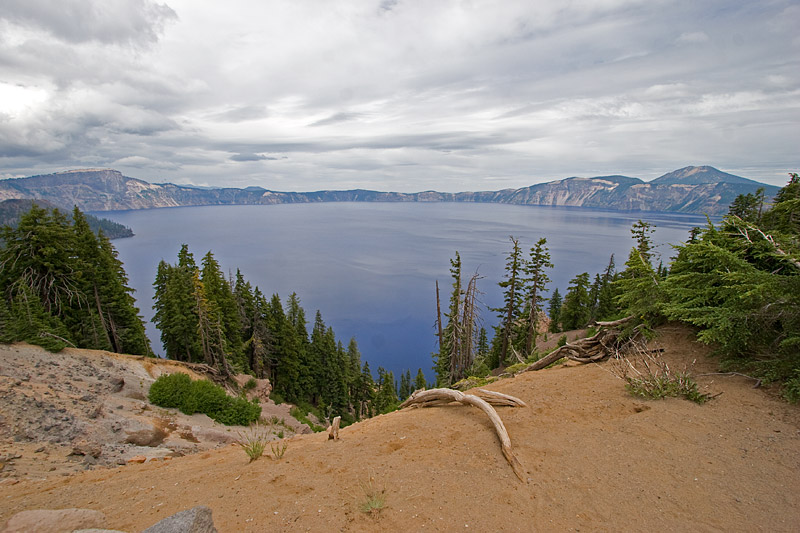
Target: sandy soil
point(596, 458)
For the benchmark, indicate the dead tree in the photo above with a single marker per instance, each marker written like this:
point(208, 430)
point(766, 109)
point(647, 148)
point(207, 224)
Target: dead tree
point(590, 349)
point(482, 399)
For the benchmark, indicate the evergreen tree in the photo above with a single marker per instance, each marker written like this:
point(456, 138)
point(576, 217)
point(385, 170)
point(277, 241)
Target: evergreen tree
point(748, 206)
point(386, 397)
point(536, 281)
point(354, 387)
point(641, 232)
point(554, 311)
point(223, 306)
point(606, 294)
point(419, 381)
point(405, 386)
point(451, 342)
point(176, 308)
point(576, 311)
point(510, 313)
point(77, 281)
point(638, 288)
point(292, 351)
point(367, 393)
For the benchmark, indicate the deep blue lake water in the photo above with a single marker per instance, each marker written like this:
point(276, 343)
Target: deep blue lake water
point(370, 268)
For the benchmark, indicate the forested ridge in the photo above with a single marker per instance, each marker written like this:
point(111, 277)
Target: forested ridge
point(737, 283)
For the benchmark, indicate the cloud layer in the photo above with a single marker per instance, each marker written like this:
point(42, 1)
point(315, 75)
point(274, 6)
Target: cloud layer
point(398, 94)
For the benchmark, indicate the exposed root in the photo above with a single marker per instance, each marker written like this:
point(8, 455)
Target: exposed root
point(604, 343)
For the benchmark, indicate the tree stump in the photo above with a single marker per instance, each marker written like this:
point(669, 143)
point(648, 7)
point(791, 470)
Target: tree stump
point(333, 429)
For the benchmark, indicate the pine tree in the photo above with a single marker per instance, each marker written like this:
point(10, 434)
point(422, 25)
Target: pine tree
point(405, 386)
point(554, 311)
point(419, 381)
point(510, 313)
point(576, 311)
point(223, 306)
point(367, 393)
point(77, 279)
point(451, 343)
point(641, 232)
point(176, 308)
point(606, 307)
point(536, 281)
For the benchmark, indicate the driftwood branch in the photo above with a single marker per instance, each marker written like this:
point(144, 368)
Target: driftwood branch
point(587, 350)
point(431, 397)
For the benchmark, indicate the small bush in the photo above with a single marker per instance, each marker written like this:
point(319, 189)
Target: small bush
point(169, 390)
point(202, 396)
point(250, 385)
point(562, 340)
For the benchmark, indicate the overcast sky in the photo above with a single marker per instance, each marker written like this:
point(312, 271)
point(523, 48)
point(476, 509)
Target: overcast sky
point(403, 95)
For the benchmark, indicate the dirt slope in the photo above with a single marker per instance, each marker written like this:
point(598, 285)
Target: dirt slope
point(597, 460)
point(85, 409)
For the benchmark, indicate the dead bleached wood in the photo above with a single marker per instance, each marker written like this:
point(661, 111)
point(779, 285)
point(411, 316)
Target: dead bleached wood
point(333, 429)
point(432, 397)
point(587, 350)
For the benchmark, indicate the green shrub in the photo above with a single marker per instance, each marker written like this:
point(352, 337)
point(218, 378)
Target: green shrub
point(791, 389)
point(169, 390)
point(202, 396)
point(250, 385)
point(562, 340)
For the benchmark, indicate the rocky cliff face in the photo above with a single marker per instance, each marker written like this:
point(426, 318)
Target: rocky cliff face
point(688, 190)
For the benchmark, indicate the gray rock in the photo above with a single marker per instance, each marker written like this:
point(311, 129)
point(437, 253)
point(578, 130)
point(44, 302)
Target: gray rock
point(195, 520)
point(117, 383)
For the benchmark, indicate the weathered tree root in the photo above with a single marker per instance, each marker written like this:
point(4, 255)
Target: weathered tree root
point(433, 397)
point(588, 350)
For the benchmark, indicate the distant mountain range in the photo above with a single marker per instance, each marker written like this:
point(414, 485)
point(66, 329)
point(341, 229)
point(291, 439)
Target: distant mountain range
point(688, 190)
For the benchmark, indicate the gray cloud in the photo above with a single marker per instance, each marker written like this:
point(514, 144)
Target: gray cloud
point(398, 95)
point(105, 21)
point(251, 157)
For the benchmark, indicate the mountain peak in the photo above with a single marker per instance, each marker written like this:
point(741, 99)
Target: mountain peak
point(698, 175)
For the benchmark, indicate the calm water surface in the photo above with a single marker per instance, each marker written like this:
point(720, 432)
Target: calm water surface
point(370, 268)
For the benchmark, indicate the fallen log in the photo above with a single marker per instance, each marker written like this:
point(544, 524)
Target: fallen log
point(587, 350)
point(432, 397)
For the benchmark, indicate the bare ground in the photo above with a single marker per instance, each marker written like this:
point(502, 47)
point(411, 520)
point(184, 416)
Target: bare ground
point(596, 458)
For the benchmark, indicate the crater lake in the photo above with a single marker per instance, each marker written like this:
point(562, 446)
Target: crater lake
point(371, 268)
